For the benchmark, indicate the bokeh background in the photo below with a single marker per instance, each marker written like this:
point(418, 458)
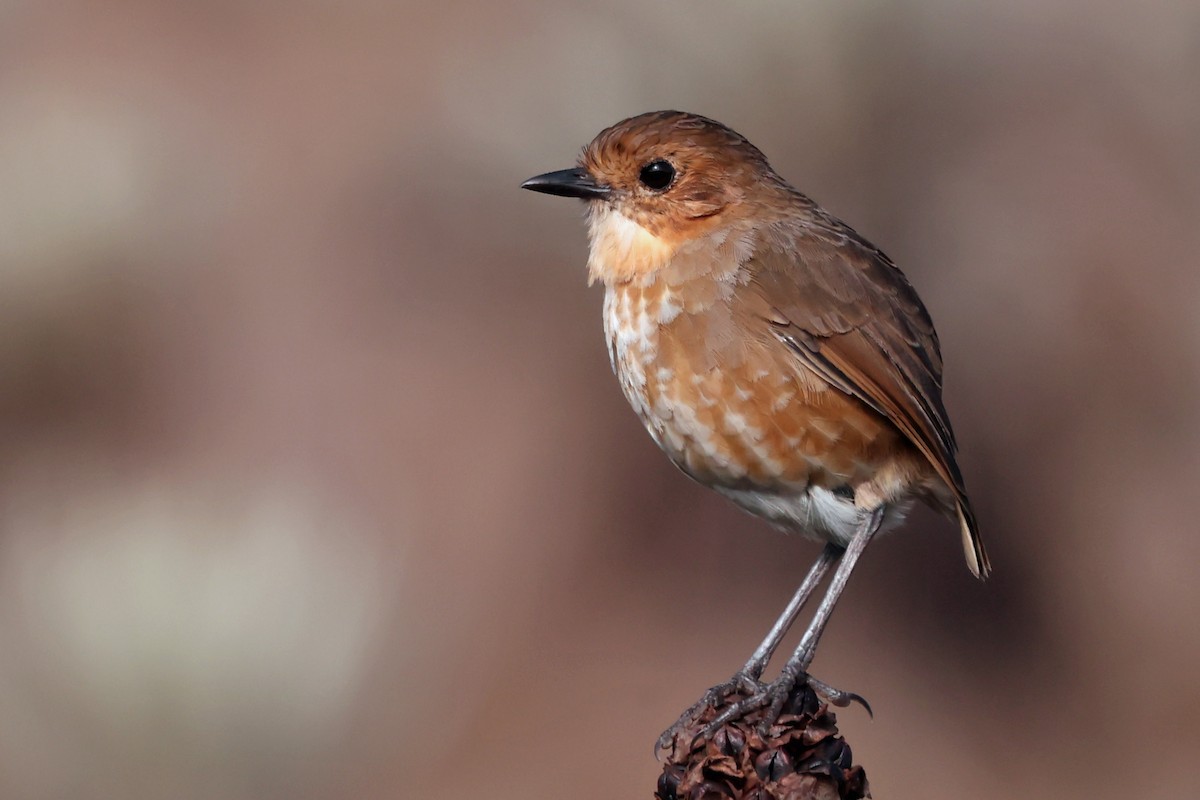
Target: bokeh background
point(315, 483)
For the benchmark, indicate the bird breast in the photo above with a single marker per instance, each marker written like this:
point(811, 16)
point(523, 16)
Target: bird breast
point(726, 406)
point(737, 412)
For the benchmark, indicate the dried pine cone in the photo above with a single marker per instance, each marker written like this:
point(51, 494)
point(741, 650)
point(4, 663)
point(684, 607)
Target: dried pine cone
point(800, 758)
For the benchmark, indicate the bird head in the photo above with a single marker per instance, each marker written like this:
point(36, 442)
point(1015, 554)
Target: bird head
point(662, 183)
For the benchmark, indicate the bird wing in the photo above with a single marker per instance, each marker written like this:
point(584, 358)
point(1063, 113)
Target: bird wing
point(848, 313)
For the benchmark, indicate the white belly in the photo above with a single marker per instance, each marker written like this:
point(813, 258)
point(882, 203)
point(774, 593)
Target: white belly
point(814, 512)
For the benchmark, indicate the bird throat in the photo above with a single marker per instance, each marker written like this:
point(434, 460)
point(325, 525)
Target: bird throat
point(622, 250)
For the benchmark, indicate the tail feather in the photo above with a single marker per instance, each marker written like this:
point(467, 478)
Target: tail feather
point(977, 557)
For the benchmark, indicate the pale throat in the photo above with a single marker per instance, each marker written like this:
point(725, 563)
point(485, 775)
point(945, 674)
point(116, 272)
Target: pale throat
point(625, 252)
point(621, 249)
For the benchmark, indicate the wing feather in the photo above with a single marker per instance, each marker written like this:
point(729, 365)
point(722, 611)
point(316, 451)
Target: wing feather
point(850, 315)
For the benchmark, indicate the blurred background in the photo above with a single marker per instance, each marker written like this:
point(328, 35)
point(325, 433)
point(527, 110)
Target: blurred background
point(314, 480)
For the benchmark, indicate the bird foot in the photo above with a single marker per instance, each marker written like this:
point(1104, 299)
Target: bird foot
point(801, 755)
point(743, 698)
point(770, 699)
point(784, 694)
point(838, 697)
point(742, 683)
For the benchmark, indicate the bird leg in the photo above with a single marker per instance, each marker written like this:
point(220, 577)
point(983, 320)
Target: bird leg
point(774, 695)
point(758, 662)
point(745, 680)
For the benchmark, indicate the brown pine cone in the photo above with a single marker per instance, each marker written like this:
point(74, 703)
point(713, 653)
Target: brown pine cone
point(800, 758)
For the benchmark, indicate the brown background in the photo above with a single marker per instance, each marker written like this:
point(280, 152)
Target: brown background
point(314, 482)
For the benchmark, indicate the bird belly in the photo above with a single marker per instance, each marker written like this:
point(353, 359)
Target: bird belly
point(815, 512)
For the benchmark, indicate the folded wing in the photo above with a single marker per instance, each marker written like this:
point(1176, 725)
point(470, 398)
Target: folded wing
point(849, 314)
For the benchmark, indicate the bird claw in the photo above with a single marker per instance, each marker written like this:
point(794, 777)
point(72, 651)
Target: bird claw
point(785, 694)
point(772, 696)
point(839, 697)
point(741, 683)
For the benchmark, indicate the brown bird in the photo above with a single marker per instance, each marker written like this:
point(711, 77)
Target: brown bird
point(772, 352)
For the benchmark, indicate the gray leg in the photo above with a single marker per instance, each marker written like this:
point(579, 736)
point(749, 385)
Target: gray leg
point(758, 662)
point(777, 693)
point(745, 680)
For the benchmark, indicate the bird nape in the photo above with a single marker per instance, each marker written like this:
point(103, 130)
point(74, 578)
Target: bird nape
point(773, 353)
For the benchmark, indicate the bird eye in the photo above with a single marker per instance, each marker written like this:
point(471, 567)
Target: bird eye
point(657, 175)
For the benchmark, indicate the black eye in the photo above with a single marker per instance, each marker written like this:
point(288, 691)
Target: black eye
point(657, 175)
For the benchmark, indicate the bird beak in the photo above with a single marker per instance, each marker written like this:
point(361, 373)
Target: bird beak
point(576, 182)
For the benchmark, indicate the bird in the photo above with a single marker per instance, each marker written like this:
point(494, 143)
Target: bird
point(773, 353)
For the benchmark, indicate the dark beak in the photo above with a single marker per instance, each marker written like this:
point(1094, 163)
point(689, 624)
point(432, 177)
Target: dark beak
point(568, 183)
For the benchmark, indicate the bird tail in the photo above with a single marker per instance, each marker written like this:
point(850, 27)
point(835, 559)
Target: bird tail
point(977, 557)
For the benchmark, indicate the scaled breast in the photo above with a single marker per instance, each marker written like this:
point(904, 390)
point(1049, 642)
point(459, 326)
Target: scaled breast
point(632, 317)
point(725, 408)
point(706, 417)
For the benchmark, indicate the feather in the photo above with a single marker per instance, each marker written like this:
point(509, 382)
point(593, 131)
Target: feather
point(847, 312)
